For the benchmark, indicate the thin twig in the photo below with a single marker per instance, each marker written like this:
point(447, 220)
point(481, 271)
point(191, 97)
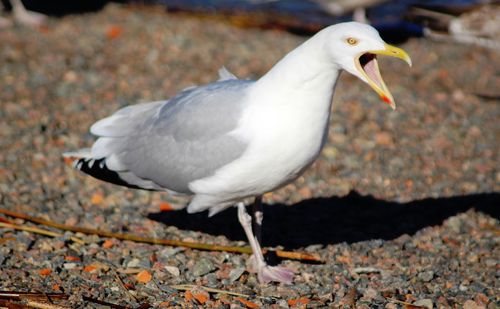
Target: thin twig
point(6, 239)
point(10, 304)
point(43, 305)
point(120, 281)
point(13, 295)
point(31, 300)
point(38, 231)
point(156, 241)
point(404, 303)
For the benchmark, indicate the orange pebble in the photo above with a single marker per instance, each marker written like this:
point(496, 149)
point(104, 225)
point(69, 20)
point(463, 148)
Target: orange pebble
point(188, 296)
point(97, 199)
point(144, 276)
point(298, 301)
point(114, 32)
point(247, 303)
point(164, 206)
point(72, 258)
point(45, 272)
point(89, 268)
point(108, 243)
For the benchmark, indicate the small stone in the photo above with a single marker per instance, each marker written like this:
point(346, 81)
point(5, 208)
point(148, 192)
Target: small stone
point(384, 139)
point(203, 267)
point(455, 224)
point(305, 192)
point(236, 273)
point(69, 265)
point(426, 276)
point(366, 270)
point(174, 271)
point(427, 303)
point(211, 280)
point(283, 303)
point(313, 248)
point(370, 294)
point(302, 289)
point(287, 292)
point(133, 263)
point(470, 304)
point(269, 291)
point(169, 252)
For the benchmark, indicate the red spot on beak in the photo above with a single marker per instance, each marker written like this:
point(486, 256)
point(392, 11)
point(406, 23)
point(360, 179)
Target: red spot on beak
point(386, 99)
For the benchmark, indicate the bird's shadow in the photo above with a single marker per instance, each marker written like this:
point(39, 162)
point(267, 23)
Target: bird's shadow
point(351, 218)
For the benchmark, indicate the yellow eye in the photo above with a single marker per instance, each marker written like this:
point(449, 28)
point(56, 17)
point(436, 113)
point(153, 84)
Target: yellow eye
point(352, 41)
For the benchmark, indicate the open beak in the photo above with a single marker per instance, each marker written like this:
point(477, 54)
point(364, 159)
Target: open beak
point(367, 65)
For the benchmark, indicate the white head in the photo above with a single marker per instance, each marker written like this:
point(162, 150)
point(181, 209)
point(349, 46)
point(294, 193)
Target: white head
point(354, 47)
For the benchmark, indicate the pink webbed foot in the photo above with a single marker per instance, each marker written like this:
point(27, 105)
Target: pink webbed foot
point(267, 273)
point(275, 273)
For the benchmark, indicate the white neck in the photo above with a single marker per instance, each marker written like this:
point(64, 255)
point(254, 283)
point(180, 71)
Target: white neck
point(307, 71)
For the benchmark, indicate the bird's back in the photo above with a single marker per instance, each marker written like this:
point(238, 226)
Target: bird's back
point(167, 145)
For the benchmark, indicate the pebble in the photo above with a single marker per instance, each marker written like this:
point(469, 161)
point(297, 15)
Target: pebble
point(203, 267)
point(426, 276)
point(70, 265)
point(470, 304)
point(134, 263)
point(174, 271)
point(366, 270)
point(236, 273)
point(427, 303)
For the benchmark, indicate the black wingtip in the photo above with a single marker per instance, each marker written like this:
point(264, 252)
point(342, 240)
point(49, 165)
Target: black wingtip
point(97, 168)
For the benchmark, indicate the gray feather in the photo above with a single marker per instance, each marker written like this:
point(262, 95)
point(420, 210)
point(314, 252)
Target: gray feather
point(175, 142)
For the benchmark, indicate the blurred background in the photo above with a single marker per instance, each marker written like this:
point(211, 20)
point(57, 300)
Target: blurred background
point(396, 19)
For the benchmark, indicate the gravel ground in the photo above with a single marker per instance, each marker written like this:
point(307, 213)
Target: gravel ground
point(408, 202)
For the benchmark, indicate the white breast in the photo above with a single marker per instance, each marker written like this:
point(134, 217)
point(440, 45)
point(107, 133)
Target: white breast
point(285, 135)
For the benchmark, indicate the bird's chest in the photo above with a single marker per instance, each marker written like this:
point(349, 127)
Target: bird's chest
point(287, 139)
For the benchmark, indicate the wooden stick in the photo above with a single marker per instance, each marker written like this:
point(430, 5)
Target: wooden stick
point(43, 305)
point(6, 239)
point(38, 231)
point(404, 303)
point(156, 241)
point(13, 295)
point(30, 300)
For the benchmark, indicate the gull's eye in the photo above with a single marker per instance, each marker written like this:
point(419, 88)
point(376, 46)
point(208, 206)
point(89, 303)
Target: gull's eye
point(351, 41)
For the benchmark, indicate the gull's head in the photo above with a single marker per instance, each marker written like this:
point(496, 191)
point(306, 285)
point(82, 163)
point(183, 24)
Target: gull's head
point(354, 47)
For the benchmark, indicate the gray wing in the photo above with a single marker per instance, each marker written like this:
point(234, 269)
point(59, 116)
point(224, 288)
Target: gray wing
point(169, 144)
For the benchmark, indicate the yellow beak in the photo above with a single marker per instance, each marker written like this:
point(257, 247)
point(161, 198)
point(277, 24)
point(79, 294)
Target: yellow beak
point(367, 65)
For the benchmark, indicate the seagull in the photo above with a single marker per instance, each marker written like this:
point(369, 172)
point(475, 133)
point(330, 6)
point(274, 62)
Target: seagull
point(233, 139)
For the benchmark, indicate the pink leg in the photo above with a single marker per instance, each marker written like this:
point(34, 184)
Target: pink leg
point(265, 273)
point(26, 17)
point(4, 22)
